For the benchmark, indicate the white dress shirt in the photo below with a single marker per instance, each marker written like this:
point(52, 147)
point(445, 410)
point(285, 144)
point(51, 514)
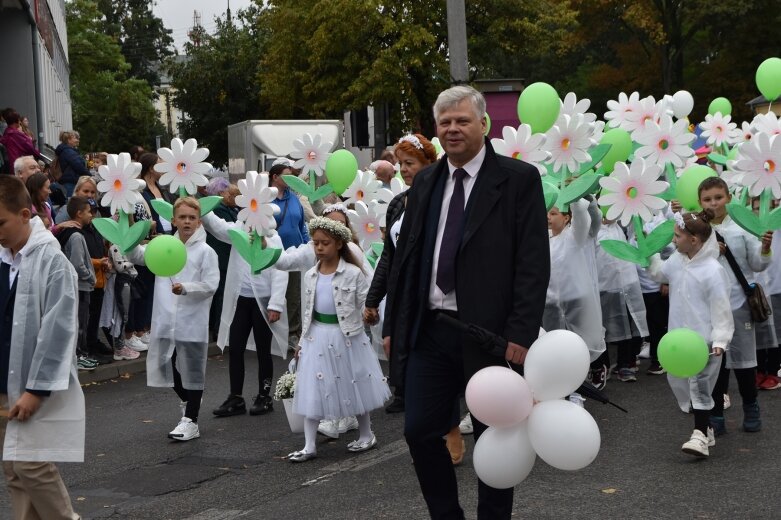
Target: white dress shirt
point(5, 257)
point(436, 298)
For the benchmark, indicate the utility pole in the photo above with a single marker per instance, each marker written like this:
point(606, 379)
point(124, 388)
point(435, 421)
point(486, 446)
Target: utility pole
point(456, 40)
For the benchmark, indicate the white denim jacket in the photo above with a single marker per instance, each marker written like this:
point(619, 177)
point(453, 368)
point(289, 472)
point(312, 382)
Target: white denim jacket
point(349, 286)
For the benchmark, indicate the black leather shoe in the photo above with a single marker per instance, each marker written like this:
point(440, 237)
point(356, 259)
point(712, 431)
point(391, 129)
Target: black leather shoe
point(263, 404)
point(101, 348)
point(233, 405)
point(397, 406)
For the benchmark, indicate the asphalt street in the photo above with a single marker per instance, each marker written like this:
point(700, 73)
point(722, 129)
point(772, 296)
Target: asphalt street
point(236, 469)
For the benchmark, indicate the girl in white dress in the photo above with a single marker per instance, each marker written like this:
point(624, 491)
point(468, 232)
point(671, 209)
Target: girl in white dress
point(338, 371)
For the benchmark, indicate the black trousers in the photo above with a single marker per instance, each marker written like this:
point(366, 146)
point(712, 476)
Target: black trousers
point(95, 306)
point(191, 397)
point(248, 317)
point(657, 310)
point(434, 382)
point(83, 316)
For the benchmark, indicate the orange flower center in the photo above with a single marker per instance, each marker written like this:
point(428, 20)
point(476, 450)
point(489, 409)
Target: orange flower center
point(565, 144)
point(253, 205)
point(181, 167)
point(370, 227)
point(770, 167)
point(664, 144)
point(117, 185)
point(359, 194)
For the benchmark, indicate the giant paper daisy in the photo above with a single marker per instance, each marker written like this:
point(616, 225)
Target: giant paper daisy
point(646, 109)
point(366, 224)
point(633, 191)
point(742, 134)
point(183, 166)
point(718, 129)
point(364, 187)
point(311, 153)
point(571, 106)
point(379, 205)
point(620, 109)
point(767, 123)
point(120, 185)
point(665, 142)
point(760, 162)
point(568, 142)
point(523, 145)
point(257, 211)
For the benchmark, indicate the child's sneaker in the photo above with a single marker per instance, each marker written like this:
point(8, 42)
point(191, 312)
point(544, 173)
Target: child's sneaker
point(125, 354)
point(599, 377)
point(329, 428)
point(751, 421)
point(655, 369)
point(627, 375)
point(85, 363)
point(697, 445)
point(144, 337)
point(346, 424)
point(718, 425)
point(645, 351)
point(186, 430)
point(770, 383)
point(466, 425)
point(136, 344)
point(711, 438)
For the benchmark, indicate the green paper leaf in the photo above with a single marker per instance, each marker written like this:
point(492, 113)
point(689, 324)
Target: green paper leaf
point(578, 188)
point(657, 239)
point(551, 193)
point(624, 251)
point(377, 248)
point(108, 229)
point(746, 219)
point(134, 235)
point(164, 209)
point(209, 203)
point(252, 251)
point(597, 153)
point(718, 158)
point(299, 186)
point(773, 221)
point(323, 191)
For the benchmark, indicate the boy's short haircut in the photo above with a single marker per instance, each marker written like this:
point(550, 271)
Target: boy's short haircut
point(190, 202)
point(76, 204)
point(13, 194)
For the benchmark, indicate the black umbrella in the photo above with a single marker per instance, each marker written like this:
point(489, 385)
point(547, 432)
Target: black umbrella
point(497, 346)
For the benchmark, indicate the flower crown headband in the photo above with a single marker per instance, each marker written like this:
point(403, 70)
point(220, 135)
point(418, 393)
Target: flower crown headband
point(335, 207)
point(413, 140)
point(330, 226)
point(679, 220)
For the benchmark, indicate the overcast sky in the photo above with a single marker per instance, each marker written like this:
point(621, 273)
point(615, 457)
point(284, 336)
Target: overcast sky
point(177, 15)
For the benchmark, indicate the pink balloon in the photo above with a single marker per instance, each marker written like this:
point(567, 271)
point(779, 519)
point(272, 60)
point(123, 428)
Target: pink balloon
point(499, 397)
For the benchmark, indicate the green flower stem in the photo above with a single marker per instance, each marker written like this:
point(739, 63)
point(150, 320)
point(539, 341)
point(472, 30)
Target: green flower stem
point(672, 178)
point(312, 180)
point(565, 175)
point(764, 205)
point(639, 234)
point(124, 222)
point(182, 192)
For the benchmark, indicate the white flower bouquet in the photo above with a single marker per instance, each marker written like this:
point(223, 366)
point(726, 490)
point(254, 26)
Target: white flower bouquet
point(286, 386)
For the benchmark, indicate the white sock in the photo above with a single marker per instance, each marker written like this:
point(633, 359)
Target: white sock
point(364, 427)
point(310, 434)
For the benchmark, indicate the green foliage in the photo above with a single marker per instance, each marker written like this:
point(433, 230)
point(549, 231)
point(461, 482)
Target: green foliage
point(111, 111)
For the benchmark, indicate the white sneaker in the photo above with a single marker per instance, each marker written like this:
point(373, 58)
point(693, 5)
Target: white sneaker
point(711, 437)
point(727, 402)
point(576, 398)
point(125, 354)
point(697, 445)
point(136, 344)
point(144, 337)
point(345, 424)
point(185, 430)
point(466, 425)
point(329, 428)
point(645, 352)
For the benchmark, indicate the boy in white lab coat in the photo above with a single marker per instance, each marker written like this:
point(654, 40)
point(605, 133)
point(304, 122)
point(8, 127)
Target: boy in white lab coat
point(39, 384)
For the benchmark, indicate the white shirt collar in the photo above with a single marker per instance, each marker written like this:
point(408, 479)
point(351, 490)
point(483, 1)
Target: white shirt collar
point(473, 166)
point(5, 255)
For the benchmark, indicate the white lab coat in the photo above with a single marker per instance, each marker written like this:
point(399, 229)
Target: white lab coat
point(181, 322)
point(746, 248)
point(572, 300)
point(43, 355)
point(619, 277)
point(238, 268)
point(700, 301)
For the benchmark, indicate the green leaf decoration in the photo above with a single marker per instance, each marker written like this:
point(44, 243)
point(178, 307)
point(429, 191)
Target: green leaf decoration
point(252, 250)
point(773, 221)
point(134, 235)
point(209, 203)
point(657, 239)
point(551, 193)
point(597, 153)
point(323, 191)
point(300, 186)
point(578, 188)
point(108, 229)
point(718, 158)
point(164, 209)
point(377, 248)
point(746, 219)
point(624, 251)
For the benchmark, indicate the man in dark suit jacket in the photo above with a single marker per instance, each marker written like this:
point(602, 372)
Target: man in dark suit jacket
point(473, 245)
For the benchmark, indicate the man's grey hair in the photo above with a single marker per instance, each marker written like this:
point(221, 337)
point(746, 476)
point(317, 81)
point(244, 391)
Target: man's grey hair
point(451, 97)
point(378, 163)
point(19, 163)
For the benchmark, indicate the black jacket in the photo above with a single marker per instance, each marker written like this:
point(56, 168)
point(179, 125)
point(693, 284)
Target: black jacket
point(503, 263)
point(378, 288)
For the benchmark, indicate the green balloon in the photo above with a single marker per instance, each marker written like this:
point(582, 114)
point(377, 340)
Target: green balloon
point(340, 170)
point(720, 104)
point(683, 352)
point(539, 106)
point(687, 188)
point(620, 147)
point(437, 145)
point(487, 124)
point(769, 78)
point(165, 255)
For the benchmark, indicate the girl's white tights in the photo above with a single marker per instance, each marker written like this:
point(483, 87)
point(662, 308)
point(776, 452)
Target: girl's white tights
point(310, 434)
point(364, 427)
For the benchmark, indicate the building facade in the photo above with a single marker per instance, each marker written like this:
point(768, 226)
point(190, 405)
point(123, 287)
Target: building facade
point(34, 65)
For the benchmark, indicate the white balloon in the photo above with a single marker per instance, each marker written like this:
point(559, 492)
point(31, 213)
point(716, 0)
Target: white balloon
point(683, 103)
point(564, 435)
point(556, 364)
point(504, 457)
point(498, 396)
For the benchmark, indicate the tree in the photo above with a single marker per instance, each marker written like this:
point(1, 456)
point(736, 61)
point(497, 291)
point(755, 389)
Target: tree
point(217, 85)
point(111, 111)
point(144, 40)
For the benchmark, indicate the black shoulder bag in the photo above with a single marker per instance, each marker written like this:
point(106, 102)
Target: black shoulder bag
point(755, 295)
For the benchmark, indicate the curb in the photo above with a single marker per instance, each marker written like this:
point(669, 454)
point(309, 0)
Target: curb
point(117, 369)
